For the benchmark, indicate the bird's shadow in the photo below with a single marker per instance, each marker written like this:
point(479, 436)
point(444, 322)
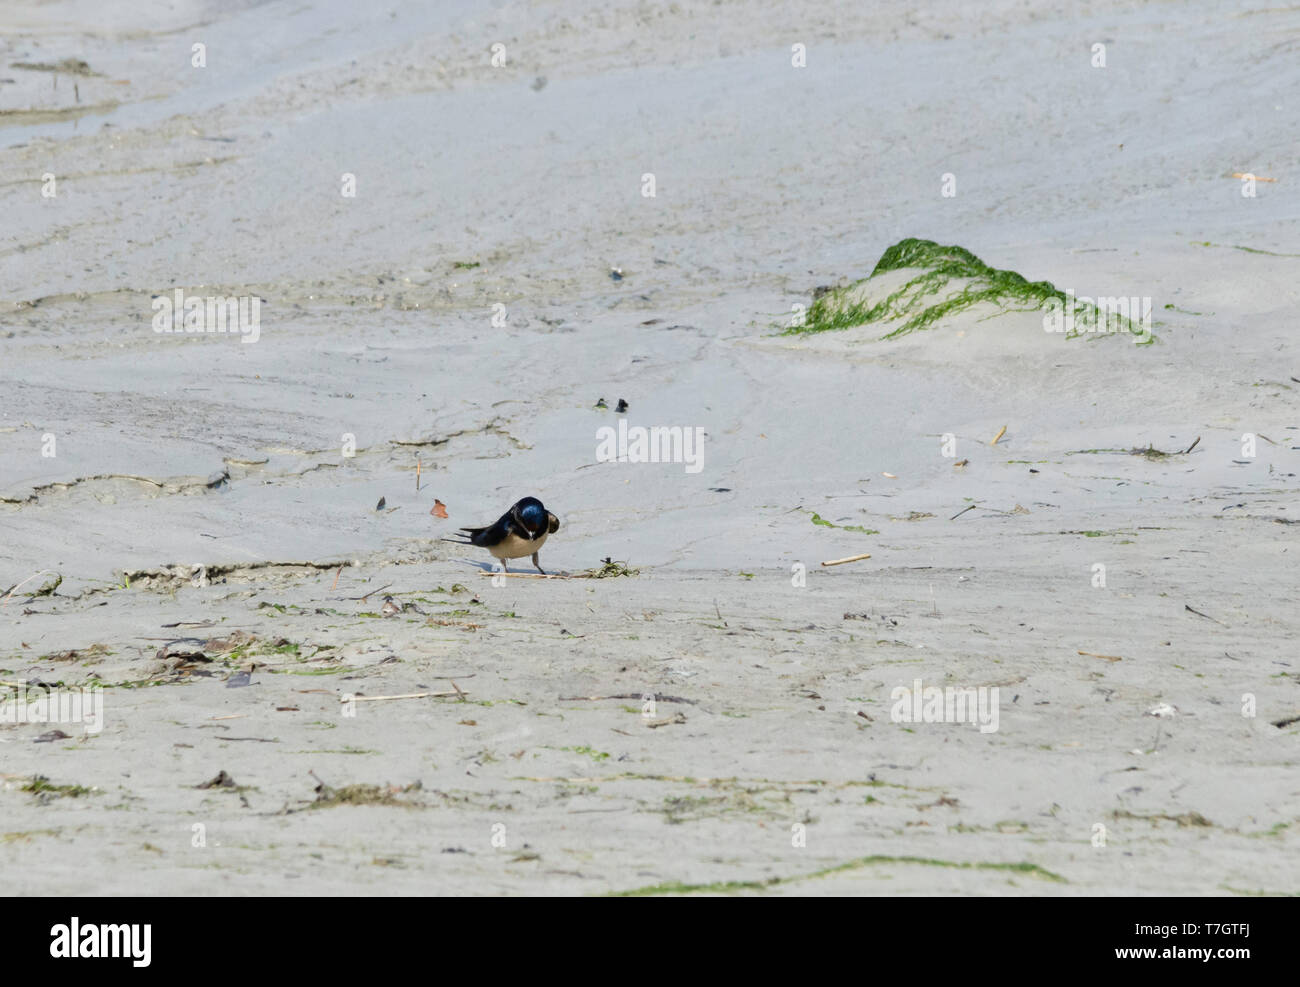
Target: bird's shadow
point(491, 568)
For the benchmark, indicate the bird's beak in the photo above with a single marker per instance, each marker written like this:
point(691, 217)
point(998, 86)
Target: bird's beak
point(552, 523)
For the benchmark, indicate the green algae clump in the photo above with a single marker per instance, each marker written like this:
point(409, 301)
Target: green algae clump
point(946, 280)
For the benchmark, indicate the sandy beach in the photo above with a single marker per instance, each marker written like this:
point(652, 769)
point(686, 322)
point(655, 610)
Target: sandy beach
point(446, 232)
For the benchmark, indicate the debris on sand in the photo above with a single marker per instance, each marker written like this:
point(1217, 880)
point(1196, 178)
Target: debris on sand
point(46, 589)
point(327, 796)
point(239, 680)
point(1151, 452)
point(42, 787)
point(68, 66)
point(946, 280)
point(94, 653)
point(222, 780)
point(851, 558)
point(610, 568)
point(820, 521)
point(1093, 654)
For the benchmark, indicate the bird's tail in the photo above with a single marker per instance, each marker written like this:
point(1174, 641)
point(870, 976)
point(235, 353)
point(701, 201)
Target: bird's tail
point(465, 536)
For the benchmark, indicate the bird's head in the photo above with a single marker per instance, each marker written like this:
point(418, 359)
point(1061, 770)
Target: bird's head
point(531, 516)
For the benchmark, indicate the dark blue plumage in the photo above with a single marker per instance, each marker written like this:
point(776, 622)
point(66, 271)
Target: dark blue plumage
point(519, 532)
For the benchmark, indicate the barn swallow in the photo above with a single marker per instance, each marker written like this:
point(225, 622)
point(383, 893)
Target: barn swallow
point(519, 532)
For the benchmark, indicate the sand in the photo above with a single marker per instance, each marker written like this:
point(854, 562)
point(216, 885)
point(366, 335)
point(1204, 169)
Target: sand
point(199, 486)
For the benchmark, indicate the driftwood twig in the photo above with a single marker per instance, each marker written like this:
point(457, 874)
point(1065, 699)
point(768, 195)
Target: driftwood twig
point(851, 558)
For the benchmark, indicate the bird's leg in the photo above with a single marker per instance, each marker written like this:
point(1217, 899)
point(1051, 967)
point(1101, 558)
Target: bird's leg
point(538, 564)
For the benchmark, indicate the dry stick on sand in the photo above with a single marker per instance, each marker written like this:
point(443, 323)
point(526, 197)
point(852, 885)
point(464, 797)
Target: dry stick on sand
point(1192, 446)
point(1093, 654)
point(336, 579)
point(417, 474)
point(963, 511)
point(409, 695)
point(1205, 615)
point(998, 436)
point(368, 595)
point(665, 721)
point(1246, 174)
point(12, 589)
point(851, 558)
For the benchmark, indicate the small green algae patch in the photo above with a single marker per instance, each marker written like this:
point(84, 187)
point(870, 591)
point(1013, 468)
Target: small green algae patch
point(935, 291)
point(610, 567)
point(25, 836)
point(327, 796)
point(728, 887)
point(41, 785)
point(819, 520)
point(1234, 246)
point(589, 751)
